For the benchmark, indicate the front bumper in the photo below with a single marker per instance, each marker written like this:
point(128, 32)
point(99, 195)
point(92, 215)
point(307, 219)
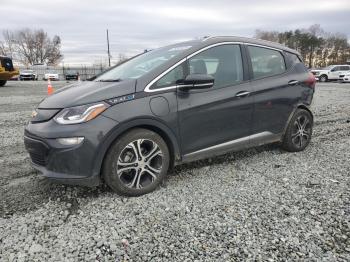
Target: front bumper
point(53, 78)
point(72, 77)
point(27, 77)
point(75, 164)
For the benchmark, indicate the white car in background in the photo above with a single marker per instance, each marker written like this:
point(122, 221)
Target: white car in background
point(52, 76)
point(332, 72)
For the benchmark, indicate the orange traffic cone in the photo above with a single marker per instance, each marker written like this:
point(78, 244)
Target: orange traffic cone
point(50, 89)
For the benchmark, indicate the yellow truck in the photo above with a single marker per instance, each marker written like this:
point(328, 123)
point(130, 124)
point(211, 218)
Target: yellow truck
point(6, 70)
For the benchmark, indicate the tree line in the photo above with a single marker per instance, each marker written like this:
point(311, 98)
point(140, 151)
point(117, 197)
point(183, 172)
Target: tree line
point(31, 47)
point(317, 47)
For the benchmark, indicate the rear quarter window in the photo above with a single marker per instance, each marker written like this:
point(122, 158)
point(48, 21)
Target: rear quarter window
point(294, 61)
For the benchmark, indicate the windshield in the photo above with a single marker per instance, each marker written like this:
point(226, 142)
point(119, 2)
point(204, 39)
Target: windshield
point(142, 64)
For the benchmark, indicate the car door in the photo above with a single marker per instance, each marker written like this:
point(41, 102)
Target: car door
point(215, 117)
point(334, 73)
point(275, 91)
point(343, 71)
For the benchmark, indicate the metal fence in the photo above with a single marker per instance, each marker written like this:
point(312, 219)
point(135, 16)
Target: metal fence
point(85, 72)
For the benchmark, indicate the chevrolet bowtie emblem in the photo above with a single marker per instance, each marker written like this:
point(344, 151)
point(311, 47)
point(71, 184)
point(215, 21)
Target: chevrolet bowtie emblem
point(34, 113)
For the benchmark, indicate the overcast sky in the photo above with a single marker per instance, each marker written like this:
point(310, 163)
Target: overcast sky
point(138, 25)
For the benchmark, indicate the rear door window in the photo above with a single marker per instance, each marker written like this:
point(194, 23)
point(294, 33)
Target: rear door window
point(266, 62)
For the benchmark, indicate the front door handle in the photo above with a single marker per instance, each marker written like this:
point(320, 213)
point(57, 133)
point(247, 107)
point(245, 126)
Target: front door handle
point(293, 82)
point(242, 94)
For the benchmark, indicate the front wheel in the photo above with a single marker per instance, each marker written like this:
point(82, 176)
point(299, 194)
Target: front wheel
point(323, 78)
point(299, 131)
point(2, 82)
point(136, 163)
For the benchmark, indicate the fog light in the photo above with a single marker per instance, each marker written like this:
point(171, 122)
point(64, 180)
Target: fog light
point(70, 141)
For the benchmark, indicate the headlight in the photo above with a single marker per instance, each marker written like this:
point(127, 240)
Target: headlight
point(80, 114)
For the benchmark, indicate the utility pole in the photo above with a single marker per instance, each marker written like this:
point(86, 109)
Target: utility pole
point(109, 54)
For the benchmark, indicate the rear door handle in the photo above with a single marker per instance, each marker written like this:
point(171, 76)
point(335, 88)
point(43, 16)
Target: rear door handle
point(293, 82)
point(242, 94)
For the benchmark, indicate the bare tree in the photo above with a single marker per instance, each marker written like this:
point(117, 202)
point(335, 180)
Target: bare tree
point(317, 47)
point(267, 35)
point(31, 47)
point(121, 58)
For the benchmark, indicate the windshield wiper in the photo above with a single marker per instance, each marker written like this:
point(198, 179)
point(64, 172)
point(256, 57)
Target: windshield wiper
point(109, 80)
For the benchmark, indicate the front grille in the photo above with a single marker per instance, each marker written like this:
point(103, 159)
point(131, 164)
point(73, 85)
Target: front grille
point(7, 64)
point(314, 73)
point(38, 151)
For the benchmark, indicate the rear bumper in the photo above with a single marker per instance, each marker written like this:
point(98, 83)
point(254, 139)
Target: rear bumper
point(7, 75)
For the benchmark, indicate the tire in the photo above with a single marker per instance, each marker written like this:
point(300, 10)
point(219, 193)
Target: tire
point(2, 82)
point(130, 174)
point(323, 78)
point(299, 131)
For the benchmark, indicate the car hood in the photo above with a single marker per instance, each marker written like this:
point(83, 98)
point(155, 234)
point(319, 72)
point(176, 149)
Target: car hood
point(87, 92)
point(319, 70)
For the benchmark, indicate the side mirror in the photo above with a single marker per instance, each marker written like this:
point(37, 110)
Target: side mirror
point(197, 81)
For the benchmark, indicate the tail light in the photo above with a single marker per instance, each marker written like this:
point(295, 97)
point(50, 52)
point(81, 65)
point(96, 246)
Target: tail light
point(311, 80)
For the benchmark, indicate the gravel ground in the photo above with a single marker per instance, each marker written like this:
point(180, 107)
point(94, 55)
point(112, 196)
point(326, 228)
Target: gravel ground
point(258, 204)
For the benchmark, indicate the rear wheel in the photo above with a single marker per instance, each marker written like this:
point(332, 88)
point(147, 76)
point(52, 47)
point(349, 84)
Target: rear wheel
point(323, 78)
point(299, 131)
point(136, 163)
point(2, 82)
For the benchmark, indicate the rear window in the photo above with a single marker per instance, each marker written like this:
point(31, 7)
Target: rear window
point(266, 62)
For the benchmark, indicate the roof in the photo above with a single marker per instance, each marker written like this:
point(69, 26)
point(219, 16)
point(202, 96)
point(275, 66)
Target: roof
point(217, 39)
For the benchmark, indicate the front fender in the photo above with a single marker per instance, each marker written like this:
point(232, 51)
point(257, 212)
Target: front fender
point(154, 124)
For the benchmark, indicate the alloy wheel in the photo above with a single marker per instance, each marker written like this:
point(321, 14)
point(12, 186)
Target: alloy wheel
point(139, 163)
point(301, 131)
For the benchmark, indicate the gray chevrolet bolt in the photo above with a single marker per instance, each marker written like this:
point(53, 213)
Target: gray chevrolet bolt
point(175, 104)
